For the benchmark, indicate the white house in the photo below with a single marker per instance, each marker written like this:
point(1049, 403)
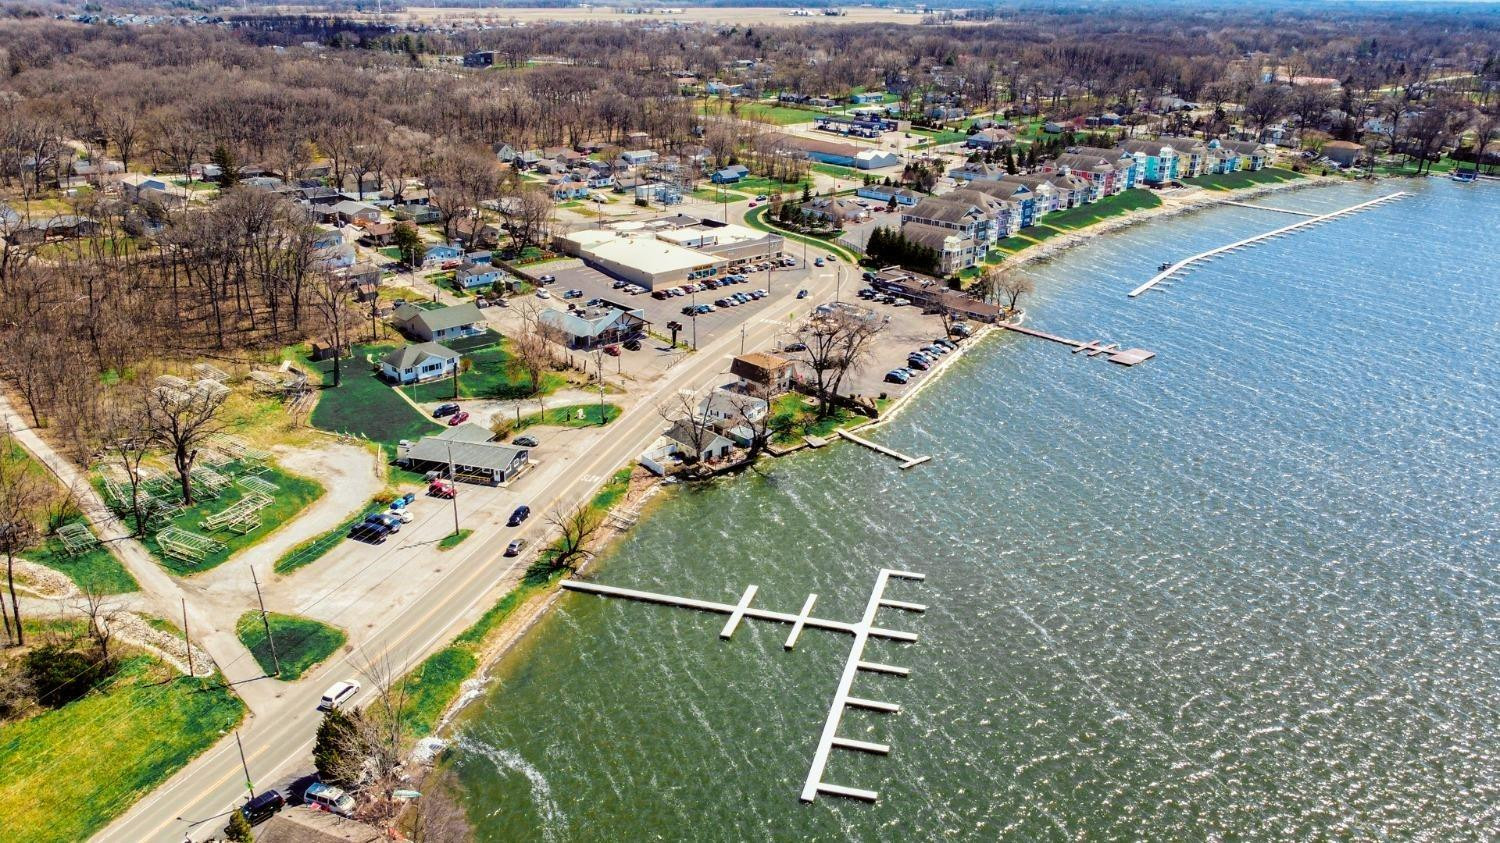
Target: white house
point(726, 409)
point(419, 362)
point(874, 159)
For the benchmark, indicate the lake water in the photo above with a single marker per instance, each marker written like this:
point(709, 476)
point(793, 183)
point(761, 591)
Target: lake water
point(1248, 589)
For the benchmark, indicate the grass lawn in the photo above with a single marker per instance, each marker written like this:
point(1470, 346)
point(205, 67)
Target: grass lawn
point(569, 416)
point(793, 418)
point(760, 184)
point(392, 252)
point(939, 138)
point(452, 540)
point(1242, 179)
point(1037, 233)
point(96, 569)
point(762, 111)
point(434, 684)
point(294, 494)
point(301, 643)
point(494, 374)
point(364, 405)
point(71, 770)
point(710, 194)
point(838, 172)
point(755, 218)
point(319, 546)
point(1109, 206)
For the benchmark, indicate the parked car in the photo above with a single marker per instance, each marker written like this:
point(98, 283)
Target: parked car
point(445, 410)
point(543, 294)
point(389, 519)
point(402, 515)
point(572, 294)
point(795, 346)
point(620, 285)
point(515, 547)
point(801, 294)
point(337, 694)
point(632, 345)
point(548, 279)
point(521, 514)
point(329, 798)
point(612, 350)
point(689, 309)
point(896, 376)
point(918, 363)
point(440, 488)
point(526, 441)
point(945, 343)
point(458, 418)
point(660, 295)
point(832, 258)
point(817, 261)
point(960, 329)
point(262, 807)
point(370, 532)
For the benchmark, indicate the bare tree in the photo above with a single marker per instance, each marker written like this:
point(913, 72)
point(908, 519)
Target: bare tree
point(181, 419)
point(127, 435)
point(1014, 285)
point(100, 613)
point(690, 427)
point(437, 817)
point(337, 317)
point(23, 492)
point(837, 342)
point(531, 347)
point(576, 527)
point(752, 407)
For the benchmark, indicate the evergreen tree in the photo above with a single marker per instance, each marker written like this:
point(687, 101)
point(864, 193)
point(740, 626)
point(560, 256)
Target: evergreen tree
point(1010, 161)
point(335, 736)
point(806, 190)
point(229, 171)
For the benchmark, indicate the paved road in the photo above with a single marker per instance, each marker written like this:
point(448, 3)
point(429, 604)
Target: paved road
point(278, 740)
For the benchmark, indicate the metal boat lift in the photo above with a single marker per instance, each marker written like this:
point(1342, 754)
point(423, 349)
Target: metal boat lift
point(862, 630)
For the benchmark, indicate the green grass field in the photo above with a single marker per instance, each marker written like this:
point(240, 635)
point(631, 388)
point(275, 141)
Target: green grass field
point(756, 185)
point(764, 112)
point(452, 540)
point(793, 418)
point(70, 771)
point(838, 172)
point(95, 570)
point(755, 218)
point(494, 374)
point(713, 194)
point(294, 494)
point(569, 416)
point(1243, 179)
point(364, 405)
point(1109, 206)
point(301, 643)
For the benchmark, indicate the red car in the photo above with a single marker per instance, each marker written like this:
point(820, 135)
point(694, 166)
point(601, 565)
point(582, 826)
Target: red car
point(441, 489)
point(458, 418)
point(612, 350)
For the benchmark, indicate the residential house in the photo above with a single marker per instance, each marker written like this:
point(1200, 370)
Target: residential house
point(1046, 197)
point(955, 251)
point(1022, 197)
point(444, 323)
point(976, 171)
point(1220, 160)
point(439, 254)
point(1105, 174)
point(730, 174)
point(764, 373)
point(684, 434)
point(60, 227)
point(350, 211)
point(419, 362)
point(836, 211)
point(867, 97)
point(472, 275)
point(505, 153)
point(138, 188)
point(417, 213)
point(568, 187)
point(1004, 216)
point(883, 194)
point(946, 112)
point(728, 411)
point(375, 233)
point(480, 58)
point(331, 251)
point(990, 139)
point(732, 89)
point(1343, 153)
point(1157, 162)
point(474, 232)
point(597, 325)
point(637, 157)
point(1072, 190)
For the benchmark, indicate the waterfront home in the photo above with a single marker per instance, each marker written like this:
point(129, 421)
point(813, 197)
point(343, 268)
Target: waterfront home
point(1021, 197)
point(726, 409)
point(418, 362)
point(1192, 155)
point(1045, 196)
point(1099, 172)
point(1343, 153)
point(1219, 160)
point(1004, 217)
point(1253, 156)
point(1158, 162)
point(959, 217)
point(765, 373)
point(691, 436)
point(884, 194)
point(444, 323)
point(1126, 172)
point(955, 251)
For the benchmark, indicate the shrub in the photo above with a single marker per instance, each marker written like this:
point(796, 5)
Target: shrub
point(61, 675)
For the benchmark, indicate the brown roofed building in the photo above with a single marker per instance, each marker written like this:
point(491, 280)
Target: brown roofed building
point(766, 371)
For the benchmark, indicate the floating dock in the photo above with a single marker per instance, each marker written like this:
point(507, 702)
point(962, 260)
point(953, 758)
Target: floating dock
point(1127, 357)
point(906, 462)
point(863, 630)
point(1239, 244)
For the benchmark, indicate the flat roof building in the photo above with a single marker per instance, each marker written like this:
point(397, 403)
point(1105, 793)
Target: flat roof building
point(669, 255)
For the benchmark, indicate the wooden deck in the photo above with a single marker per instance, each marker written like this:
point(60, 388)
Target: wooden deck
point(1091, 348)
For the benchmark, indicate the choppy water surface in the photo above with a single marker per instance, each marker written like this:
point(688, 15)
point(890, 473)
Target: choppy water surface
point(1248, 589)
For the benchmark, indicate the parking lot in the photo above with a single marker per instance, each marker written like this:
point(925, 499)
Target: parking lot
point(906, 329)
point(709, 326)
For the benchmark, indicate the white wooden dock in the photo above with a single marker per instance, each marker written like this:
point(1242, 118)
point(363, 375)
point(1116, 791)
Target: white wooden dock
point(1239, 244)
point(906, 462)
point(863, 630)
point(1269, 208)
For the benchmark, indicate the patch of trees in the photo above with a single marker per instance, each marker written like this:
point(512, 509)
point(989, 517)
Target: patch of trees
point(889, 247)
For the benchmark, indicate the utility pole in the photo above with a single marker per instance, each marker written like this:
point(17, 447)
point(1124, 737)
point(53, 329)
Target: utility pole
point(742, 339)
point(453, 481)
point(599, 367)
point(249, 785)
point(265, 623)
point(186, 643)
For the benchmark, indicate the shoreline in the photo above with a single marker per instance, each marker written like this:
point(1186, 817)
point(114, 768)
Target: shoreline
point(527, 616)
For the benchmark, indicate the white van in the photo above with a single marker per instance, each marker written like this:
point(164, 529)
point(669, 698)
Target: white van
point(336, 696)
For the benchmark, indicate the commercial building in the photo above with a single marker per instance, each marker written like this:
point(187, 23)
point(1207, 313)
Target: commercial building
point(670, 252)
point(468, 449)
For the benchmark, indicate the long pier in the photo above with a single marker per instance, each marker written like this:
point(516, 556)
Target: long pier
point(1239, 244)
point(906, 462)
point(1269, 208)
point(1091, 348)
point(862, 630)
